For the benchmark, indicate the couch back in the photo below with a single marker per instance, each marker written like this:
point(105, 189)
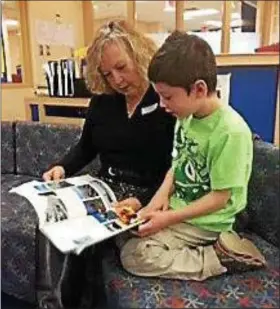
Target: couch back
point(29, 148)
point(33, 147)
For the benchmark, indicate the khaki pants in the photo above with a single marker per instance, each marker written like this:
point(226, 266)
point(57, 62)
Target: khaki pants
point(181, 251)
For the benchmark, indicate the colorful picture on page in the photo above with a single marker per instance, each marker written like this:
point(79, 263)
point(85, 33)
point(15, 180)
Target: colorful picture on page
point(96, 208)
point(127, 215)
point(85, 192)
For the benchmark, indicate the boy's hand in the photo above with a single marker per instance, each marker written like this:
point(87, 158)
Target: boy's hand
point(132, 202)
point(156, 221)
point(158, 202)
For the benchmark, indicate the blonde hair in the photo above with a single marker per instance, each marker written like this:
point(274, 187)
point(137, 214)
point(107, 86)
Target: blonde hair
point(139, 47)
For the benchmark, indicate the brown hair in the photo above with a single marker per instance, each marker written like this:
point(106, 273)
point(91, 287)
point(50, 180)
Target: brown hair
point(139, 47)
point(182, 60)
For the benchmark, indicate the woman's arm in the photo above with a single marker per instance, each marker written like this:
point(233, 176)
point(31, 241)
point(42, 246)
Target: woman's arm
point(84, 151)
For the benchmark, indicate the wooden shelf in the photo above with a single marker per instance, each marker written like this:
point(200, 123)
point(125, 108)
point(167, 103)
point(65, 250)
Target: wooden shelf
point(42, 102)
point(248, 59)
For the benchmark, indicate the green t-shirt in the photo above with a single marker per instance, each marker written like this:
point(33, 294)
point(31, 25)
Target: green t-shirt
point(212, 153)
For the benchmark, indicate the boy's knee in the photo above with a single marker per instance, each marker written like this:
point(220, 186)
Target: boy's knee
point(144, 257)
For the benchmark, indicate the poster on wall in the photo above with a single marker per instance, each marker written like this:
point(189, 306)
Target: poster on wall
point(223, 87)
point(53, 33)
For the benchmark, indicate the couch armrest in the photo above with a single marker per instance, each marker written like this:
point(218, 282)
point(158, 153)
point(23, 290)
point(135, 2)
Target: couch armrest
point(263, 196)
point(8, 152)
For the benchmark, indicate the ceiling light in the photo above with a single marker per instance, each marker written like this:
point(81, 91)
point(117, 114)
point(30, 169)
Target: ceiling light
point(169, 6)
point(215, 23)
point(197, 13)
point(235, 15)
point(169, 9)
point(218, 24)
point(236, 23)
point(11, 22)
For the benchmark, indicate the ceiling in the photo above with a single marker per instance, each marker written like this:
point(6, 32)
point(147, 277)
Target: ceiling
point(152, 11)
point(147, 11)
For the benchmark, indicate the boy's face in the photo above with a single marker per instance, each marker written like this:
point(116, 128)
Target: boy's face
point(177, 101)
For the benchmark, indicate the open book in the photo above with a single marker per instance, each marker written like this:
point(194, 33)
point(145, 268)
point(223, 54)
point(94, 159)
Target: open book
point(76, 212)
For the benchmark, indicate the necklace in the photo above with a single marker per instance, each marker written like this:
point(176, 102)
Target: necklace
point(130, 110)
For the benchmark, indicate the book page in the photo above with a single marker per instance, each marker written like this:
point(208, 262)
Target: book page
point(77, 212)
point(52, 201)
point(39, 203)
point(69, 235)
point(74, 235)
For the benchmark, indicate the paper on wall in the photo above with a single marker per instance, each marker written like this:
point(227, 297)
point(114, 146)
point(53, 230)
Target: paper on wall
point(52, 33)
point(223, 87)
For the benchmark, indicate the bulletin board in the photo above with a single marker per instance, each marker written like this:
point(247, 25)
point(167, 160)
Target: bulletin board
point(253, 93)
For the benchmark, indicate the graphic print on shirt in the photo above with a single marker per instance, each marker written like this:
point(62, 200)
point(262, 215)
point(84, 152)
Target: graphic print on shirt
point(191, 173)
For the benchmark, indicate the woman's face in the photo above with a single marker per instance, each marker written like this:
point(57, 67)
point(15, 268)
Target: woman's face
point(119, 69)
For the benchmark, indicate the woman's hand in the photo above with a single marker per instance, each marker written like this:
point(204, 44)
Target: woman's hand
point(132, 202)
point(56, 173)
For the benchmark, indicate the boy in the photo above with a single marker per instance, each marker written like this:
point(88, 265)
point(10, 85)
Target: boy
point(188, 233)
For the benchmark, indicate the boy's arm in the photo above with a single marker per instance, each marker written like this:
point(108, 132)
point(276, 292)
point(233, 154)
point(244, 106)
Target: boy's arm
point(167, 184)
point(211, 202)
point(160, 200)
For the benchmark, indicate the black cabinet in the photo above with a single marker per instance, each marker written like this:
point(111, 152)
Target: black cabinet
point(65, 111)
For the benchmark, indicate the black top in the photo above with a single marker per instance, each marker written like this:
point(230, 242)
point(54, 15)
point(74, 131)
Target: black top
point(141, 144)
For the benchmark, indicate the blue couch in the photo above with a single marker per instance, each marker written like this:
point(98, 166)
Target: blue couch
point(28, 149)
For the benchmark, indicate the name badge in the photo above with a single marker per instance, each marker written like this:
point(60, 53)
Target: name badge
point(149, 109)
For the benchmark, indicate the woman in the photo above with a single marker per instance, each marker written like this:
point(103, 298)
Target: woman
point(125, 126)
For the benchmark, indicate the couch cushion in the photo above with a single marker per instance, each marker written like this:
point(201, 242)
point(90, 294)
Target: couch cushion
point(263, 196)
point(18, 222)
point(40, 145)
point(255, 289)
point(7, 147)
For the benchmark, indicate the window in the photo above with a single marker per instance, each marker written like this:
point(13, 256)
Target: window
point(107, 10)
point(14, 43)
point(244, 35)
point(11, 43)
point(204, 18)
point(275, 24)
point(155, 18)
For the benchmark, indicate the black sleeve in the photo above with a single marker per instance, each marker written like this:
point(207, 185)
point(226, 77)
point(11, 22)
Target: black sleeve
point(145, 196)
point(84, 151)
